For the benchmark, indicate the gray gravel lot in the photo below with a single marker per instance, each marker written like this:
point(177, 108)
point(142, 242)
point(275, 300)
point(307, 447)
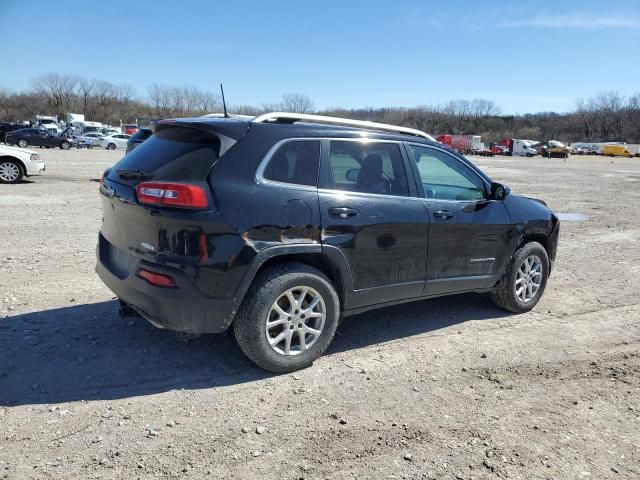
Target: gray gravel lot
point(448, 388)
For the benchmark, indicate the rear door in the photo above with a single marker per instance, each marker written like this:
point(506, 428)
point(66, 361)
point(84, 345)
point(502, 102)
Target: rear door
point(468, 236)
point(370, 212)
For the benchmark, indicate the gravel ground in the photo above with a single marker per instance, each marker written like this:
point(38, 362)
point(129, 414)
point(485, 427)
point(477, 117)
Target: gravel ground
point(448, 388)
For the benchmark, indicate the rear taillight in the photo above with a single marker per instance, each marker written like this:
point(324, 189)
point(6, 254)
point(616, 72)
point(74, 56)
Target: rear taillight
point(171, 194)
point(104, 175)
point(157, 279)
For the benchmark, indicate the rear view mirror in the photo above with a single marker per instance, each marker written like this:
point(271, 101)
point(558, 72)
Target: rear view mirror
point(499, 191)
point(352, 175)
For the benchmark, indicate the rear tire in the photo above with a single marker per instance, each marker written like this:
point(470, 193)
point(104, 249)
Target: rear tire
point(22, 143)
point(267, 315)
point(508, 294)
point(10, 171)
point(111, 146)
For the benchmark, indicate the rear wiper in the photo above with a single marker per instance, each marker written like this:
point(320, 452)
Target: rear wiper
point(133, 174)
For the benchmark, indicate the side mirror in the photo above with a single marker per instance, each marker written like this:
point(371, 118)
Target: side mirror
point(352, 175)
point(499, 191)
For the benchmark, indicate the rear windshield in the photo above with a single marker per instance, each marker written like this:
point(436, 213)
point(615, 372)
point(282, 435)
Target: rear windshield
point(176, 153)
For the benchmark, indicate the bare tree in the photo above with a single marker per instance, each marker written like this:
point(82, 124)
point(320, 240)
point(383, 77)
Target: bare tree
point(59, 91)
point(296, 103)
point(605, 116)
point(85, 87)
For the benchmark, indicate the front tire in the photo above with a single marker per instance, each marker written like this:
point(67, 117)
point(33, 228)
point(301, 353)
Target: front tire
point(65, 145)
point(10, 171)
point(111, 146)
point(524, 281)
point(288, 318)
point(22, 143)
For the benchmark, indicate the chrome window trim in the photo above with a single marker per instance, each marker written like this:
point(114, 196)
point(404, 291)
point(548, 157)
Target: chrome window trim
point(260, 178)
point(365, 194)
point(273, 183)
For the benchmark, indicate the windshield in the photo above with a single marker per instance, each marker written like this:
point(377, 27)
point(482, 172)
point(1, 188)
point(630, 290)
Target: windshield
point(47, 121)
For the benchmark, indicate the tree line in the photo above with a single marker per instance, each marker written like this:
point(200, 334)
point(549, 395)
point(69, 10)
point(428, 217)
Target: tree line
point(607, 116)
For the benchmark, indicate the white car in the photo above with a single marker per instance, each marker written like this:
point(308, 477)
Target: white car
point(111, 142)
point(17, 163)
point(90, 139)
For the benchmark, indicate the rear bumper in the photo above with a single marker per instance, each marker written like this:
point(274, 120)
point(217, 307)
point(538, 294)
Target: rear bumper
point(183, 308)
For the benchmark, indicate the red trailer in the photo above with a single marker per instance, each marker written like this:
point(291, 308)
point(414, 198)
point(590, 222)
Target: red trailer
point(129, 129)
point(469, 144)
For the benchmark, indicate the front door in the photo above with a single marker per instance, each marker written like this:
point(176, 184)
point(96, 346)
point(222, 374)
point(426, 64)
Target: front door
point(468, 236)
point(370, 212)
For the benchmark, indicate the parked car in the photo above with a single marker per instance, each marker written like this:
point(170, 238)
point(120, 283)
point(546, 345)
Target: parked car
point(138, 137)
point(111, 131)
point(111, 142)
point(91, 139)
point(37, 138)
point(554, 149)
point(6, 127)
point(580, 151)
point(277, 227)
point(17, 163)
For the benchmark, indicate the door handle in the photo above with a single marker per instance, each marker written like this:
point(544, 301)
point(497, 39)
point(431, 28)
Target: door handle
point(443, 214)
point(343, 212)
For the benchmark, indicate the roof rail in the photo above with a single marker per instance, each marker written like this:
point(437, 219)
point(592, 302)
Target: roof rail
point(304, 117)
point(231, 115)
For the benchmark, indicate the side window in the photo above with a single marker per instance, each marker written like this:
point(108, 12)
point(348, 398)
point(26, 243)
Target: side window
point(295, 162)
point(368, 167)
point(446, 178)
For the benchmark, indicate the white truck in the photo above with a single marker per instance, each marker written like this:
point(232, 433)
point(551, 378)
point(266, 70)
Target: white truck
point(74, 117)
point(81, 126)
point(523, 148)
point(48, 122)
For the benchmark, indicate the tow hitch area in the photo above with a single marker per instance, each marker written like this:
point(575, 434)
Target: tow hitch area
point(125, 311)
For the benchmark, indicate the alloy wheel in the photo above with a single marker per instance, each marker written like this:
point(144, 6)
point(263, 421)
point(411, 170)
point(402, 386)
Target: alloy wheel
point(9, 172)
point(295, 321)
point(529, 278)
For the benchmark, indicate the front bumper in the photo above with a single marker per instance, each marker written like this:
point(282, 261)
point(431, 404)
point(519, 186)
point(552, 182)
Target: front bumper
point(35, 168)
point(183, 308)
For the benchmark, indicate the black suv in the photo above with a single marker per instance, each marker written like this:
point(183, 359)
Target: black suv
point(279, 227)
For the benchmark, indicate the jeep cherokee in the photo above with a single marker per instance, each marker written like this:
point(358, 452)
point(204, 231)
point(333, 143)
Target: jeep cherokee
point(280, 225)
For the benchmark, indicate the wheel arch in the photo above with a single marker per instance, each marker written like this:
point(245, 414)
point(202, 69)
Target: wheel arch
point(330, 261)
point(540, 237)
point(15, 160)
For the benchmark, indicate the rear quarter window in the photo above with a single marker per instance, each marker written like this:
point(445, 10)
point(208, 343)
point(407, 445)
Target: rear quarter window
point(295, 162)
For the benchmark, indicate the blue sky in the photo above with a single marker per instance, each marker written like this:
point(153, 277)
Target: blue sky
point(526, 56)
